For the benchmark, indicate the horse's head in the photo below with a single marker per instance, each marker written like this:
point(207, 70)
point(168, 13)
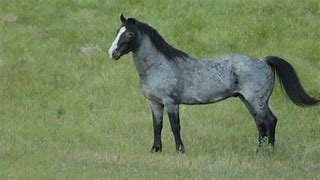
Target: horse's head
point(127, 38)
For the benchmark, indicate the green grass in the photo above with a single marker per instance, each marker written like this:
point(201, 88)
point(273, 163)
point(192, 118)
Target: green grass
point(68, 112)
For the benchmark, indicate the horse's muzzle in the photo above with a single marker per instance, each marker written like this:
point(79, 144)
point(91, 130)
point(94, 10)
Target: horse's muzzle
point(115, 55)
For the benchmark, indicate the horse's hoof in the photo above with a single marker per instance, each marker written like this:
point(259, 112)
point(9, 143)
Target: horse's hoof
point(181, 149)
point(156, 149)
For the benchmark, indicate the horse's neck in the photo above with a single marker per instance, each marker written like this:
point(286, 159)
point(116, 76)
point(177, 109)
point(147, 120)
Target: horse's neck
point(146, 56)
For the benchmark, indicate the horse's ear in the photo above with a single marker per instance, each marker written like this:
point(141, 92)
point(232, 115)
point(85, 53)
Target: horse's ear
point(122, 18)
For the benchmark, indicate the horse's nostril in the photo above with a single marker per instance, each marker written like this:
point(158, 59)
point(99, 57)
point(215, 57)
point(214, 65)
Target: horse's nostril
point(114, 53)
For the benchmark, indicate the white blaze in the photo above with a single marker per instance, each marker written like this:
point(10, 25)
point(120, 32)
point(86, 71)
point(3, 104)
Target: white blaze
point(114, 44)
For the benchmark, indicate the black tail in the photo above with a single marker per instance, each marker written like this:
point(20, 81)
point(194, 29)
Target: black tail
point(290, 82)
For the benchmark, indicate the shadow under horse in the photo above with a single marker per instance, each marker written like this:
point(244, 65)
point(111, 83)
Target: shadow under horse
point(170, 77)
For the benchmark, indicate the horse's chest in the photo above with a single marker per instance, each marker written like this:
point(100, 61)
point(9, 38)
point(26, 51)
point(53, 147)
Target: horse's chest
point(158, 87)
point(152, 93)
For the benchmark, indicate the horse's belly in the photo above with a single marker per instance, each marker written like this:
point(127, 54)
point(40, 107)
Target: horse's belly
point(199, 96)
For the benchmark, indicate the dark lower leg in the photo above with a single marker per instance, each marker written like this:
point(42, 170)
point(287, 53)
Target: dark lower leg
point(271, 131)
point(157, 128)
point(262, 133)
point(175, 127)
point(157, 118)
point(271, 122)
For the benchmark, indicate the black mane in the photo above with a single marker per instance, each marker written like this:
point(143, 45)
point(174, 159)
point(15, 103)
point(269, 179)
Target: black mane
point(160, 44)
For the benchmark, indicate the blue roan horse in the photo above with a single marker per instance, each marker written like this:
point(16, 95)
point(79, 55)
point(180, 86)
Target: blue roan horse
point(170, 77)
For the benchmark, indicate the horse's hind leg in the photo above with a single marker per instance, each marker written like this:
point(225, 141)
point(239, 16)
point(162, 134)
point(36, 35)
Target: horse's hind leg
point(271, 124)
point(268, 121)
point(264, 119)
point(262, 137)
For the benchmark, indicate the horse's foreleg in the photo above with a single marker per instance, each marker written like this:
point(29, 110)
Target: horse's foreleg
point(157, 117)
point(173, 113)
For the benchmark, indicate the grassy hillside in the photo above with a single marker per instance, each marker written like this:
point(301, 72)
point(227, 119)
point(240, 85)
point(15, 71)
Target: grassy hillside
point(68, 112)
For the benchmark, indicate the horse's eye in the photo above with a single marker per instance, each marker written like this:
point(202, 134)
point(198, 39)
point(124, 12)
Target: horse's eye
point(129, 34)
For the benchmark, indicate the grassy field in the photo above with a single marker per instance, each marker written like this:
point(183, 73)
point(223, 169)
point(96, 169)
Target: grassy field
point(68, 112)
